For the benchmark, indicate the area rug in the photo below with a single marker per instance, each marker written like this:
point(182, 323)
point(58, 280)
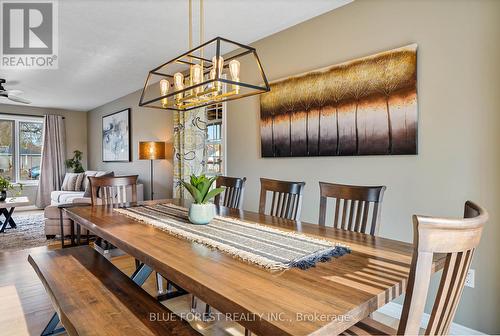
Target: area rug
point(28, 233)
point(265, 246)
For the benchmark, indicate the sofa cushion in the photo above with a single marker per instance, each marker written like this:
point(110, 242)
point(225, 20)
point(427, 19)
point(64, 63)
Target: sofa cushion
point(58, 197)
point(93, 173)
point(53, 212)
point(73, 181)
point(53, 227)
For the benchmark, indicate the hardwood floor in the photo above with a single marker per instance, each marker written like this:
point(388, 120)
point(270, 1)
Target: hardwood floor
point(25, 307)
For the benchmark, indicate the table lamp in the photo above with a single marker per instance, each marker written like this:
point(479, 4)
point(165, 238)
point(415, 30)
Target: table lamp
point(152, 150)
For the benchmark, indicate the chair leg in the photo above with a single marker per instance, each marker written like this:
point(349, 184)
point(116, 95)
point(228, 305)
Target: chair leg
point(62, 227)
point(72, 233)
point(208, 312)
point(78, 234)
point(159, 283)
point(194, 303)
point(170, 286)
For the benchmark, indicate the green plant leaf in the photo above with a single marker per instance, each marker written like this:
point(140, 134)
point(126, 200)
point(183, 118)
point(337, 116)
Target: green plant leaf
point(193, 191)
point(205, 188)
point(195, 180)
point(212, 194)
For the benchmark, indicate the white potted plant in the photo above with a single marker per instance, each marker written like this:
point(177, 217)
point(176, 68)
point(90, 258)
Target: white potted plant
point(201, 210)
point(6, 185)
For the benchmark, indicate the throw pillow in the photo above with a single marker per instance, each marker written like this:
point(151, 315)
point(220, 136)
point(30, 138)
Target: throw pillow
point(94, 174)
point(73, 181)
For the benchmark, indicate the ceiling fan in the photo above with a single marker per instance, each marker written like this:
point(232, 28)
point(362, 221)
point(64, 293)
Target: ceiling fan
point(12, 94)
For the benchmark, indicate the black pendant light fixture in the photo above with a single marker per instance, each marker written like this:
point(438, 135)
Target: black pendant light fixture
point(203, 76)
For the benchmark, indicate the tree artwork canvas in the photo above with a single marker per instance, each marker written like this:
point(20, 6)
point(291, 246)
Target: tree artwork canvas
point(366, 106)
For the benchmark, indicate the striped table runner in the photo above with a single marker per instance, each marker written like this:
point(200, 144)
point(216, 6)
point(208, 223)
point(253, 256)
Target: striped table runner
point(265, 246)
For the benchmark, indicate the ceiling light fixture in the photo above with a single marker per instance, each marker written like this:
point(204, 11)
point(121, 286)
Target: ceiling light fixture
point(202, 76)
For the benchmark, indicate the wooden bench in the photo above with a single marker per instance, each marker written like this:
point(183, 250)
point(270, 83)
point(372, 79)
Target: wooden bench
point(93, 297)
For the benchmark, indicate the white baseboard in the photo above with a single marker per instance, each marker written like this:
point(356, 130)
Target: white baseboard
point(393, 310)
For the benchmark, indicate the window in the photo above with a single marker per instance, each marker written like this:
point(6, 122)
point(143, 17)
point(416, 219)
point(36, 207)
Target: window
point(215, 144)
point(7, 149)
point(20, 148)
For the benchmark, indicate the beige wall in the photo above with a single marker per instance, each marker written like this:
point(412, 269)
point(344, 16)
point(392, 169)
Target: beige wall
point(146, 124)
point(76, 132)
point(459, 122)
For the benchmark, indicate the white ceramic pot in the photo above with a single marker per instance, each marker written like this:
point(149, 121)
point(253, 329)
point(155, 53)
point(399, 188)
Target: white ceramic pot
point(201, 213)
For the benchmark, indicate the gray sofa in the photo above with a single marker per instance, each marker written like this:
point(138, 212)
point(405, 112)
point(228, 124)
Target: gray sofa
point(52, 221)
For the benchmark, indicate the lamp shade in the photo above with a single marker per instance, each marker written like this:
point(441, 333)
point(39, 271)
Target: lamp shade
point(152, 150)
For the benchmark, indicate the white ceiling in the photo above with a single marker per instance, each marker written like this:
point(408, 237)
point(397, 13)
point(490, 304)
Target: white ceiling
point(107, 47)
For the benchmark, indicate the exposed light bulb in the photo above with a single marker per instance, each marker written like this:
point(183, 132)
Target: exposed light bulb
point(220, 64)
point(197, 77)
point(197, 74)
point(234, 70)
point(164, 86)
point(178, 84)
point(178, 81)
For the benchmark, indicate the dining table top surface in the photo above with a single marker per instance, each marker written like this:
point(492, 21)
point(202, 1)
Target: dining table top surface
point(322, 300)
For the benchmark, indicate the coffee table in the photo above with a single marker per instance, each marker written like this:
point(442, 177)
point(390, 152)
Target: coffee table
point(7, 209)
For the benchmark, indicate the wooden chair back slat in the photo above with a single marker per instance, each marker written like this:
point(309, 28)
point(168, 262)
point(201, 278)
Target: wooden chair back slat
point(357, 225)
point(286, 199)
point(364, 218)
point(375, 219)
point(458, 238)
point(351, 213)
point(234, 188)
point(352, 205)
point(112, 190)
point(344, 213)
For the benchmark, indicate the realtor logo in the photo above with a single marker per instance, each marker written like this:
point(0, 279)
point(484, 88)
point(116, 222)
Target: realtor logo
point(29, 34)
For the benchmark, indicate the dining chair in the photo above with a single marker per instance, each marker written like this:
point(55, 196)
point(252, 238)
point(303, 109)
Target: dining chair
point(234, 189)
point(357, 208)
point(287, 198)
point(113, 190)
point(457, 238)
point(104, 190)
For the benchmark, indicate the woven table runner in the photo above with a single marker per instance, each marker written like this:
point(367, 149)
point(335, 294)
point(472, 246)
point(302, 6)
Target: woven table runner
point(265, 246)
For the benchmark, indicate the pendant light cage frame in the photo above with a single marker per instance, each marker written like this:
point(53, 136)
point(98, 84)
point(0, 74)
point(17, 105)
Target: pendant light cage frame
point(213, 88)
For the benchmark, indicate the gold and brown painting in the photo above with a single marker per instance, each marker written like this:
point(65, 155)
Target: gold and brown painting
point(366, 106)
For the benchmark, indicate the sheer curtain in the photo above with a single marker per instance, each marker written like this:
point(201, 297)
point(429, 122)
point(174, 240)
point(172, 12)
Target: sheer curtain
point(190, 133)
point(52, 167)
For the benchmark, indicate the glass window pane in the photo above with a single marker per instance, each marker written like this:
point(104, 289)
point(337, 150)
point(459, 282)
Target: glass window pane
point(210, 131)
point(7, 149)
point(214, 132)
point(30, 150)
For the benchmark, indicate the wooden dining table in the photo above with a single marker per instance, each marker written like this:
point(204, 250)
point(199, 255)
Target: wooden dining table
point(322, 300)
